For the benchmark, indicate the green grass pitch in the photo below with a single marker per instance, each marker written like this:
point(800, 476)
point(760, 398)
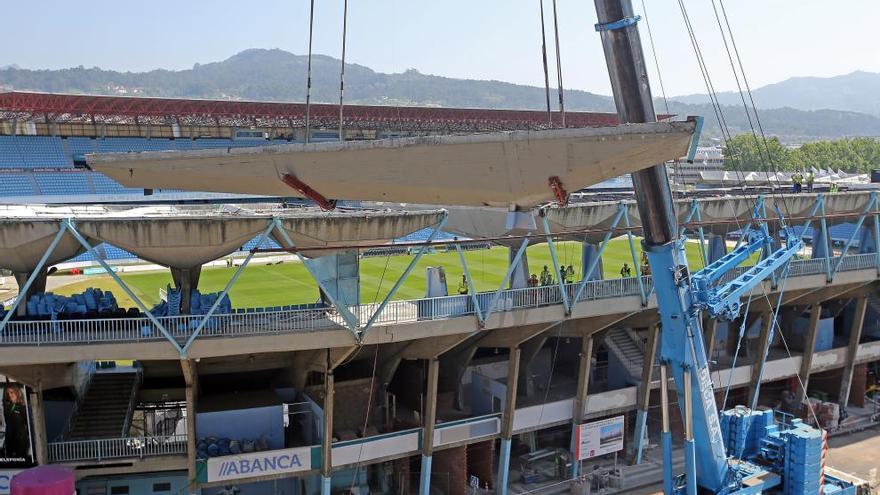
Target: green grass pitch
point(290, 283)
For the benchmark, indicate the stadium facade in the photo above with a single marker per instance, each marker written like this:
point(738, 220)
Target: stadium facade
point(460, 390)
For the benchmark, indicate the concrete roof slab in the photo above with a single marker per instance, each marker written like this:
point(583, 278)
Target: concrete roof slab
point(497, 169)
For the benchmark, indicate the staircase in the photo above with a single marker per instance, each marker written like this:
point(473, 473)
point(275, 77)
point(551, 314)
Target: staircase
point(620, 342)
point(105, 410)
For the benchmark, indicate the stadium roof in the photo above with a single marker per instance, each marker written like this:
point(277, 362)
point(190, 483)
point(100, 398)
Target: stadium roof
point(65, 107)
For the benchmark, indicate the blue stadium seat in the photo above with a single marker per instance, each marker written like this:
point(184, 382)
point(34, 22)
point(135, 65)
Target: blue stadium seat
point(33, 152)
point(63, 183)
point(16, 185)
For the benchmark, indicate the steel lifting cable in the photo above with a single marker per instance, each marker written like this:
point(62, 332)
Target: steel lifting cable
point(558, 65)
point(769, 161)
point(342, 70)
point(656, 60)
point(309, 71)
point(546, 70)
point(768, 164)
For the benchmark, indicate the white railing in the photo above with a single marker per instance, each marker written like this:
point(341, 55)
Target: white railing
point(395, 312)
point(116, 448)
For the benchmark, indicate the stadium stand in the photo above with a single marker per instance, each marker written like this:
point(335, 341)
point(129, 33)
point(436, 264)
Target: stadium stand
point(33, 152)
point(31, 156)
point(63, 183)
point(17, 185)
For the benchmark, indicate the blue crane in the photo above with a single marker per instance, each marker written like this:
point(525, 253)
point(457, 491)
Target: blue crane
point(769, 456)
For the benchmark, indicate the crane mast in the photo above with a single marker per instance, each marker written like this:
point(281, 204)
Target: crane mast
point(682, 350)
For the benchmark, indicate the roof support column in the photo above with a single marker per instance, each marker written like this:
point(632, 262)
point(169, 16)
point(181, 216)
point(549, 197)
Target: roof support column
point(38, 285)
point(24, 290)
point(39, 420)
point(186, 280)
point(507, 421)
point(327, 439)
point(809, 349)
point(855, 334)
point(191, 378)
point(760, 357)
point(644, 395)
point(429, 418)
point(580, 399)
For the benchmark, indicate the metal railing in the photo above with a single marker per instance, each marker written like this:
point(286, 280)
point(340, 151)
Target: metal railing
point(325, 318)
point(116, 448)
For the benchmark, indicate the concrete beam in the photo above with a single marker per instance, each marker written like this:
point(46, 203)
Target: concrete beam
point(49, 376)
point(327, 439)
point(429, 419)
point(515, 336)
point(758, 363)
point(855, 334)
point(41, 448)
point(432, 348)
point(580, 398)
point(191, 379)
point(507, 421)
point(644, 395)
point(809, 350)
point(495, 169)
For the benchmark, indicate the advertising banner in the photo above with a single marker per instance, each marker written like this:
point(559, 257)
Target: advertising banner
point(16, 450)
point(236, 467)
point(599, 438)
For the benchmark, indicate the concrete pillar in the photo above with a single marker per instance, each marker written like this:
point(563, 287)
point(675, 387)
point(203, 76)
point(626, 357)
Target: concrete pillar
point(855, 334)
point(327, 440)
point(191, 379)
point(717, 248)
point(187, 280)
point(589, 253)
point(507, 421)
point(38, 286)
point(809, 349)
point(758, 363)
point(429, 419)
point(643, 397)
point(41, 447)
point(820, 244)
point(520, 277)
point(580, 399)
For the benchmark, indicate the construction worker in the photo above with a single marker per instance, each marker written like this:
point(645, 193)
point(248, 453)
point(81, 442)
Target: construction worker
point(463, 286)
point(810, 179)
point(533, 281)
point(646, 267)
point(569, 274)
point(626, 271)
point(546, 278)
point(797, 179)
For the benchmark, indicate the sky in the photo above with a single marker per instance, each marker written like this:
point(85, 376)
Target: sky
point(476, 39)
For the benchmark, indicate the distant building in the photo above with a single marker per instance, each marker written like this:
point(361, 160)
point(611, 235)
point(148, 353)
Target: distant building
point(708, 158)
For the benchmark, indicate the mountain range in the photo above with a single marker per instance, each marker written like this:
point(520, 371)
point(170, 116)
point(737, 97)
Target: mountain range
point(798, 109)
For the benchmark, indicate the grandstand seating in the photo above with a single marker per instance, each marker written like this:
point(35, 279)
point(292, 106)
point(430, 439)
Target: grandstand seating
point(105, 252)
point(17, 185)
point(63, 183)
point(423, 234)
point(32, 152)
